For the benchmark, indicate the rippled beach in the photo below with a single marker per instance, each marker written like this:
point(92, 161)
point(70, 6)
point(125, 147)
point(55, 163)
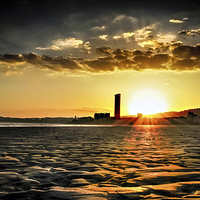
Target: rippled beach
point(99, 162)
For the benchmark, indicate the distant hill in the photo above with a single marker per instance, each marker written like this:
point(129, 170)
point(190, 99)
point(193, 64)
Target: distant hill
point(183, 113)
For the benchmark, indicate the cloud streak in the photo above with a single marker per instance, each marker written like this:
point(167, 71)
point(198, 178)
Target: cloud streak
point(189, 32)
point(15, 61)
point(179, 58)
point(98, 28)
point(176, 21)
point(61, 44)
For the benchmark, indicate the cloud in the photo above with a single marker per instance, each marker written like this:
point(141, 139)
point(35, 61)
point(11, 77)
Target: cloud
point(148, 37)
point(126, 35)
point(185, 64)
point(53, 47)
point(103, 37)
point(189, 32)
point(11, 64)
point(145, 36)
point(61, 44)
point(98, 28)
point(43, 62)
point(116, 37)
point(123, 59)
point(9, 69)
point(165, 38)
point(195, 31)
point(68, 42)
point(176, 21)
point(104, 64)
point(104, 50)
point(119, 18)
point(146, 32)
point(86, 47)
point(187, 52)
point(179, 58)
point(132, 19)
point(11, 58)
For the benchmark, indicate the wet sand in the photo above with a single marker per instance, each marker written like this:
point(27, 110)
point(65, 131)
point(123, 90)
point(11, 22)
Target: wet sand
point(102, 162)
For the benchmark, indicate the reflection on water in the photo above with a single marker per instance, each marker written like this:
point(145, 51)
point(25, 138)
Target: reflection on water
point(106, 162)
point(15, 124)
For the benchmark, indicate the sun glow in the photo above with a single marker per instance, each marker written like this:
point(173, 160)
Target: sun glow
point(147, 101)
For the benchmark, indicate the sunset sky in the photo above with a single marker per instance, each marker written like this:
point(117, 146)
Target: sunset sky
point(66, 58)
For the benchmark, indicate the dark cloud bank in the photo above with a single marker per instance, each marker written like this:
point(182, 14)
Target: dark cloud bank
point(178, 57)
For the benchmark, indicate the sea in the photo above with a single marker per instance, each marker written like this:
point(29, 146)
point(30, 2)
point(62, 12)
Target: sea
point(100, 162)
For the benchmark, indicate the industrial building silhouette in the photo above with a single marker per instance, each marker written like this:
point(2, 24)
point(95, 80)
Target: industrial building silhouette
point(116, 111)
point(117, 105)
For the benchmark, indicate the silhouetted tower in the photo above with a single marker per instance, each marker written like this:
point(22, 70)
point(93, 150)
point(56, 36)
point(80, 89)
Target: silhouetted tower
point(117, 106)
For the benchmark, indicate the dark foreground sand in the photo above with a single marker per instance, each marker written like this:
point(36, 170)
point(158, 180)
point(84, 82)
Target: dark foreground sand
point(143, 162)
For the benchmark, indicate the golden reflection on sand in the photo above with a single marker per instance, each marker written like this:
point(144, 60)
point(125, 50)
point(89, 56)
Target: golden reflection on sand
point(124, 162)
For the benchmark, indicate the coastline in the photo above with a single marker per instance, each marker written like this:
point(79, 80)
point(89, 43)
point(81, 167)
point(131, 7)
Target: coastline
point(107, 121)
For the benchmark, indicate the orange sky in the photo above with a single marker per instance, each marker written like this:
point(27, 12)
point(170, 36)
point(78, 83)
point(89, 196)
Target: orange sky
point(72, 58)
point(37, 94)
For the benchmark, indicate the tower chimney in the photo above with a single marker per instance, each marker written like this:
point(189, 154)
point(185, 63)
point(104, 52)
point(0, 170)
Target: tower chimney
point(117, 106)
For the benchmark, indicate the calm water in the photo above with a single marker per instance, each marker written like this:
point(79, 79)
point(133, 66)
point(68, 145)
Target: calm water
point(99, 162)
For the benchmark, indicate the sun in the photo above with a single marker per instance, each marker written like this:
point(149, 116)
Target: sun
point(147, 101)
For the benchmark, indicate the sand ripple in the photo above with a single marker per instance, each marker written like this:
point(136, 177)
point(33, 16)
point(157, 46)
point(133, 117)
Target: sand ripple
point(143, 162)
